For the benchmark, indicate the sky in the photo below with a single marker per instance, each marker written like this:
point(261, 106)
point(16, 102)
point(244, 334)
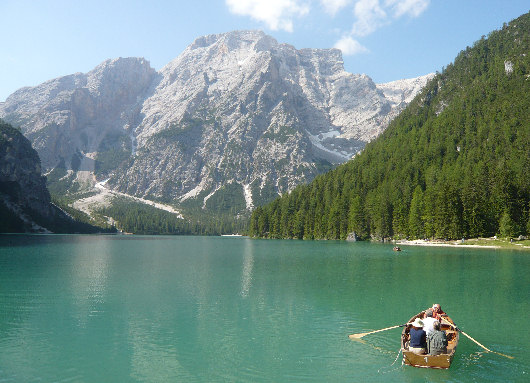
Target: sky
point(386, 39)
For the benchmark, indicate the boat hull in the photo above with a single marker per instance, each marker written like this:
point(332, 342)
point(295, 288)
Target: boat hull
point(427, 361)
point(430, 361)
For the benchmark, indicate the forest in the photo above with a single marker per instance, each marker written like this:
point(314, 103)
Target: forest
point(454, 164)
point(139, 218)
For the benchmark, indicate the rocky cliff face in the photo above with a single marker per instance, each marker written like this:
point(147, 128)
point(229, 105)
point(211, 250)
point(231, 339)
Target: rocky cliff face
point(22, 187)
point(69, 117)
point(235, 113)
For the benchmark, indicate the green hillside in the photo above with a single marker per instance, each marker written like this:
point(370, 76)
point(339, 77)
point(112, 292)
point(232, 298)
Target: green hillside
point(455, 163)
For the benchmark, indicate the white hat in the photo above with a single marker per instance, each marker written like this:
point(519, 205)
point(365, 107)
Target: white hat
point(417, 323)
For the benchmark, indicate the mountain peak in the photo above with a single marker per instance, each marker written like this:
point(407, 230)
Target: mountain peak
point(120, 63)
point(234, 40)
point(130, 72)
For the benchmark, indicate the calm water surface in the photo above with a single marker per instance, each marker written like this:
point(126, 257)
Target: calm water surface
point(212, 309)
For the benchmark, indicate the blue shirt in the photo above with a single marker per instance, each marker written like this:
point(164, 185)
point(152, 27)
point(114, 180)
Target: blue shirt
point(418, 338)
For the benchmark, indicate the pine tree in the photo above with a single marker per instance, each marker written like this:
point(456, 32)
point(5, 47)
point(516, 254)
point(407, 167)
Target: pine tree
point(416, 223)
point(506, 225)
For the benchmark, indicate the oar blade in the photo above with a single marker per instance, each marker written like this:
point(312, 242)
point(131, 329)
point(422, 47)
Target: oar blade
point(360, 335)
point(357, 336)
point(507, 356)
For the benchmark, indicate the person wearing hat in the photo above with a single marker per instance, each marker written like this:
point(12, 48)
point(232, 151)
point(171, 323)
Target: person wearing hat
point(418, 338)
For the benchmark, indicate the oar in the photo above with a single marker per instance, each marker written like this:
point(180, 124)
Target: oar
point(481, 345)
point(360, 335)
point(484, 347)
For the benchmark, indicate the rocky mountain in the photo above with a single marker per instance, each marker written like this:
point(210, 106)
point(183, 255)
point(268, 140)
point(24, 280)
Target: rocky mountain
point(70, 116)
point(234, 120)
point(25, 203)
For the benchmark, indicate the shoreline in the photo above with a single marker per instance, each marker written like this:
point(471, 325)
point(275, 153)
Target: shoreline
point(422, 242)
point(472, 243)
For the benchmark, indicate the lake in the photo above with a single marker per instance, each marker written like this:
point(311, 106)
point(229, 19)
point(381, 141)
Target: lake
point(78, 308)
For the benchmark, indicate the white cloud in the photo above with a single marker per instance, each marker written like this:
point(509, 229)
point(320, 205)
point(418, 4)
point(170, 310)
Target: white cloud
point(333, 6)
point(277, 14)
point(349, 46)
point(413, 8)
point(370, 16)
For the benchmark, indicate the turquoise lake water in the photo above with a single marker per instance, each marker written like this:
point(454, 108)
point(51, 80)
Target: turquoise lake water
point(223, 309)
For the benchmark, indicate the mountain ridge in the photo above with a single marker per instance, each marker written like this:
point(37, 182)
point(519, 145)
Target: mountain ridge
point(235, 113)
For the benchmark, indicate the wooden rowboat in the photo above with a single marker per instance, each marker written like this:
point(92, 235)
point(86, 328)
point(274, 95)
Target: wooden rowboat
point(430, 361)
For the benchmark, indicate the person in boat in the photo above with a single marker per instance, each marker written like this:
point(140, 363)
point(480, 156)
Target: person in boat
point(428, 321)
point(437, 341)
point(438, 313)
point(418, 338)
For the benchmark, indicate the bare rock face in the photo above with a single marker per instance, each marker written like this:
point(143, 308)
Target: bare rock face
point(67, 117)
point(22, 187)
point(236, 113)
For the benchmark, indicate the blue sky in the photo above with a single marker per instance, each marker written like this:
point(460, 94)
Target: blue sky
point(386, 39)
